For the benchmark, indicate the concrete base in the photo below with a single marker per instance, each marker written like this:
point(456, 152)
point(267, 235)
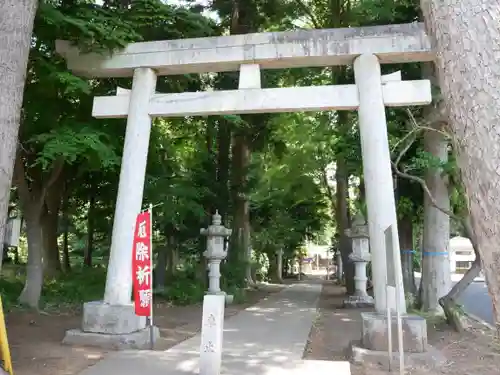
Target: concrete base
point(432, 358)
point(100, 317)
point(374, 334)
point(359, 302)
point(136, 340)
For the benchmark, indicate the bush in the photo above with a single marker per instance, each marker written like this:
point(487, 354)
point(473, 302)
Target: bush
point(75, 288)
point(184, 288)
point(70, 289)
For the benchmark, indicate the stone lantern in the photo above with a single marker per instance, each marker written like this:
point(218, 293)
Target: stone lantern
point(360, 256)
point(216, 251)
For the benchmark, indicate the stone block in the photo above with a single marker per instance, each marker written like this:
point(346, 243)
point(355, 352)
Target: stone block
point(136, 340)
point(374, 333)
point(100, 317)
point(211, 334)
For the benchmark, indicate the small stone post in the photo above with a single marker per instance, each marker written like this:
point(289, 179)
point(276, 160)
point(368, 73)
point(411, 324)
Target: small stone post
point(215, 253)
point(360, 256)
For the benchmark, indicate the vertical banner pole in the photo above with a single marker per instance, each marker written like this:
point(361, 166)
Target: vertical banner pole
point(151, 326)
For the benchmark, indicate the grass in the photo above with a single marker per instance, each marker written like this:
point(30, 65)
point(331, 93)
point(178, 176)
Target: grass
point(431, 318)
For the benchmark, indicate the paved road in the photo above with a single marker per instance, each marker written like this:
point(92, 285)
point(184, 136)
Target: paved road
point(475, 299)
point(268, 338)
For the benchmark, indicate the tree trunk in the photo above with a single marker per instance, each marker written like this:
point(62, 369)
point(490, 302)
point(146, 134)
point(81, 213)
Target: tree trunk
point(223, 166)
point(52, 261)
point(241, 226)
point(16, 26)
point(405, 230)
point(465, 34)
point(34, 274)
point(90, 231)
point(172, 259)
point(66, 223)
point(449, 302)
point(50, 228)
point(342, 212)
point(160, 271)
point(436, 277)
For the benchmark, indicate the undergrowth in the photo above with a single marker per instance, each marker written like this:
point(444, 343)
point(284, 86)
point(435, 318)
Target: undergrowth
point(71, 290)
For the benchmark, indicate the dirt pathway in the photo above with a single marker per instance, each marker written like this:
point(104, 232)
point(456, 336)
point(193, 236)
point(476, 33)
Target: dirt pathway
point(475, 352)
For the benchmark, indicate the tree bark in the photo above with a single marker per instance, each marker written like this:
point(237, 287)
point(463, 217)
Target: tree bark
point(90, 231)
point(32, 198)
point(32, 290)
point(50, 228)
point(466, 34)
point(436, 277)
point(241, 228)
point(66, 223)
point(342, 213)
point(242, 22)
point(223, 166)
point(16, 27)
point(52, 261)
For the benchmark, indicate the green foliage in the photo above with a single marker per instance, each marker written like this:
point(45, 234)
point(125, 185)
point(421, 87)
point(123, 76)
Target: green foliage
point(184, 289)
point(70, 144)
point(65, 291)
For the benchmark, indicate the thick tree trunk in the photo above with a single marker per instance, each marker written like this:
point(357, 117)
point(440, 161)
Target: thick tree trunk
point(466, 35)
point(241, 225)
point(31, 293)
point(52, 261)
point(453, 313)
point(223, 166)
point(50, 228)
point(32, 199)
point(16, 26)
point(342, 212)
point(272, 271)
point(405, 230)
point(436, 277)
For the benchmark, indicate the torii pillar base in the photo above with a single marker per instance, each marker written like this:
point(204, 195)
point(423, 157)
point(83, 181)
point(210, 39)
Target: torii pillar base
point(113, 327)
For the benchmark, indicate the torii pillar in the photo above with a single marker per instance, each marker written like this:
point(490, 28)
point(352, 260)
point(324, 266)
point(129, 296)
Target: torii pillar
point(112, 322)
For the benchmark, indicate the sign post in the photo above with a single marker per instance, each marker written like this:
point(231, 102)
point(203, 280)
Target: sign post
point(393, 291)
point(142, 268)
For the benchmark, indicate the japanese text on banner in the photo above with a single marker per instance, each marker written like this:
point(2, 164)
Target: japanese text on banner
point(141, 265)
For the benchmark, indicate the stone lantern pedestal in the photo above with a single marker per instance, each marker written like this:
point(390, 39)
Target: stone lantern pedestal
point(216, 252)
point(360, 257)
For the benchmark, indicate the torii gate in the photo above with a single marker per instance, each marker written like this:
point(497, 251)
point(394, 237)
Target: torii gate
point(366, 47)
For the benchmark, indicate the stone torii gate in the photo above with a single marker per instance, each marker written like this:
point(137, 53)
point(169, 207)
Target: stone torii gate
point(365, 47)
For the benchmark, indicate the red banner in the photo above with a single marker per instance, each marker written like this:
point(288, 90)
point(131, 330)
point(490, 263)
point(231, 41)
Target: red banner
point(142, 272)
